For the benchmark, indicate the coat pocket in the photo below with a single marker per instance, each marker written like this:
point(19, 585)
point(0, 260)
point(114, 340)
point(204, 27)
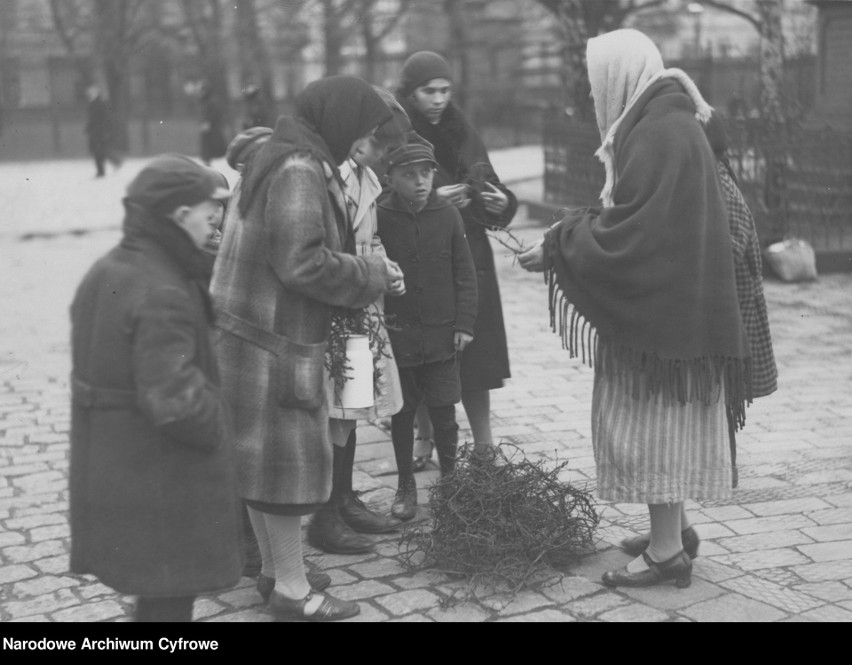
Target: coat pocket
point(299, 374)
point(296, 370)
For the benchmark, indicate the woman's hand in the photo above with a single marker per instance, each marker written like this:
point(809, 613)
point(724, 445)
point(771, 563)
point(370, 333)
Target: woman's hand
point(532, 260)
point(395, 282)
point(454, 194)
point(461, 340)
point(495, 200)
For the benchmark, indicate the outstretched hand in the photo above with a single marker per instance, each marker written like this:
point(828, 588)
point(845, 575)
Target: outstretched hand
point(494, 200)
point(532, 260)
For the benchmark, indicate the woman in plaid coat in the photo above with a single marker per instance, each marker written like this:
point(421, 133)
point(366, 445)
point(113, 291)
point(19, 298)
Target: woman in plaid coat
point(284, 262)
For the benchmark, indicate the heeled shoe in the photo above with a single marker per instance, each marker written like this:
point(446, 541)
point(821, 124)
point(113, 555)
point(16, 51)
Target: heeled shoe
point(678, 568)
point(420, 461)
point(317, 579)
point(363, 520)
point(405, 502)
point(330, 609)
point(638, 544)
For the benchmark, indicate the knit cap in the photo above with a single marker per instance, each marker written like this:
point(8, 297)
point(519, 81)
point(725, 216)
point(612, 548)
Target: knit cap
point(171, 181)
point(421, 68)
point(245, 144)
point(416, 149)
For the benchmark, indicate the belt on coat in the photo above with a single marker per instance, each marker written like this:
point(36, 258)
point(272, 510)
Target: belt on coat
point(94, 397)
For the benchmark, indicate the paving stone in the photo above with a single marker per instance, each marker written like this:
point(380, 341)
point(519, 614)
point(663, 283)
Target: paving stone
point(35, 521)
point(369, 614)
point(592, 606)
point(570, 588)
point(828, 570)
point(542, 616)
point(523, 601)
point(204, 608)
point(830, 532)
point(11, 538)
point(763, 541)
point(10, 574)
point(419, 580)
point(20, 470)
point(53, 565)
point(361, 590)
point(668, 597)
point(772, 523)
point(42, 585)
point(786, 506)
point(781, 576)
point(46, 548)
point(828, 613)
point(405, 602)
point(100, 611)
point(831, 516)
point(726, 513)
point(763, 559)
point(46, 604)
point(830, 591)
point(411, 618)
point(712, 530)
point(732, 608)
point(832, 551)
point(243, 616)
point(773, 594)
point(461, 613)
point(241, 597)
point(93, 590)
point(57, 531)
point(634, 613)
point(379, 568)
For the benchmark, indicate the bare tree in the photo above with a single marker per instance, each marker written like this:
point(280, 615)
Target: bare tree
point(580, 20)
point(458, 49)
point(374, 28)
point(255, 67)
point(337, 22)
point(203, 18)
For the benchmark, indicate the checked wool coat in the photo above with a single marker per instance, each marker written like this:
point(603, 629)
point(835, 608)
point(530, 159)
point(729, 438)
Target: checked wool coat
point(279, 271)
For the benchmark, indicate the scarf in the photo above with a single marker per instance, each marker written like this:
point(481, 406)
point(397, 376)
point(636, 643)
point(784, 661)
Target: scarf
point(651, 273)
point(331, 114)
point(447, 136)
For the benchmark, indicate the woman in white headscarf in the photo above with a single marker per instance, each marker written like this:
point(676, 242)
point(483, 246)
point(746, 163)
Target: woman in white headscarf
point(652, 273)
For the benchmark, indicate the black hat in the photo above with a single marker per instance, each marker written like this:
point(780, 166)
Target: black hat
point(416, 149)
point(421, 68)
point(170, 181)
point(245, 144)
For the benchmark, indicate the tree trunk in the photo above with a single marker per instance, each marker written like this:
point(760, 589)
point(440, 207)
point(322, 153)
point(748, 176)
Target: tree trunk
point(575, 75)
point(458, 51)
point(332, 38)
point(254, 60)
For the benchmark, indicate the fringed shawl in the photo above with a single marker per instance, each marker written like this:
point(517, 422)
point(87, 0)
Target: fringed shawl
point(652, 274)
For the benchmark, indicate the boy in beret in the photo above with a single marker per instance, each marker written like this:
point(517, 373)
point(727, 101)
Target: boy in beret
point(153, 501)
point(434, 319)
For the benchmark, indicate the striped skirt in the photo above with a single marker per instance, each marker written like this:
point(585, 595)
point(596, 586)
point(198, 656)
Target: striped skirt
point(658, 451)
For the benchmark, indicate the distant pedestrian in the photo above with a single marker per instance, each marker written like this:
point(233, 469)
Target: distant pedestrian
point(652, 273)
point(434, 320)
point(256, 114)
point(212, 130)
point(101, 131)
point(466, 179)
point(153, 504)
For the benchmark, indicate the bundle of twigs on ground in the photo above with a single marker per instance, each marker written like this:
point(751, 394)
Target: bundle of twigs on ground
point(502, 521)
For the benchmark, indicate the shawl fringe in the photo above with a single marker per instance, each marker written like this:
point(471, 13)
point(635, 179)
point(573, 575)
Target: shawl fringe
point(644, 375)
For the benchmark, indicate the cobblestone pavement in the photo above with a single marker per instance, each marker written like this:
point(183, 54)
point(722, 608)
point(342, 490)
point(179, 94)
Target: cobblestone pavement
point(780, 549)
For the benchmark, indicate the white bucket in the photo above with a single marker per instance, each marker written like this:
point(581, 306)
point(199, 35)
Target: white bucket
point(357, 392)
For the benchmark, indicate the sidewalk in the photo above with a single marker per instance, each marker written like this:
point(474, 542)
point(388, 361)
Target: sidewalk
point(779, 550)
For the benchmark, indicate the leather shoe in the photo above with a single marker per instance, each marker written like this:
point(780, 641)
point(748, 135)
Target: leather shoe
point(317, 579)
point(405, 502)
point(360, 518)
point(328, 532)
point(330, 609)
point(678, 568)
point(638, 544)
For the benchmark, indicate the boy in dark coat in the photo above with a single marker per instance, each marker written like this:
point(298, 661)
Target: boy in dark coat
point(433, 322)
point(153, 501)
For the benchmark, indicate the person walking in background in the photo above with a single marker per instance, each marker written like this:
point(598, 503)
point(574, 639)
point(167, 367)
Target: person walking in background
point(466, 179)
point(282, 266)
point(653, 273)
point(213, 143)
point(435, 319)
point(338, 526)
point(99, 130)
point(748, 274)
point(153, 504)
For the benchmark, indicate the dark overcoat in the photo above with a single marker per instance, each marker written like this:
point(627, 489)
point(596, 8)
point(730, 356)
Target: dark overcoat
point(153, 501)
point(440, 282)
point(279, 270)
point(462, 158)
